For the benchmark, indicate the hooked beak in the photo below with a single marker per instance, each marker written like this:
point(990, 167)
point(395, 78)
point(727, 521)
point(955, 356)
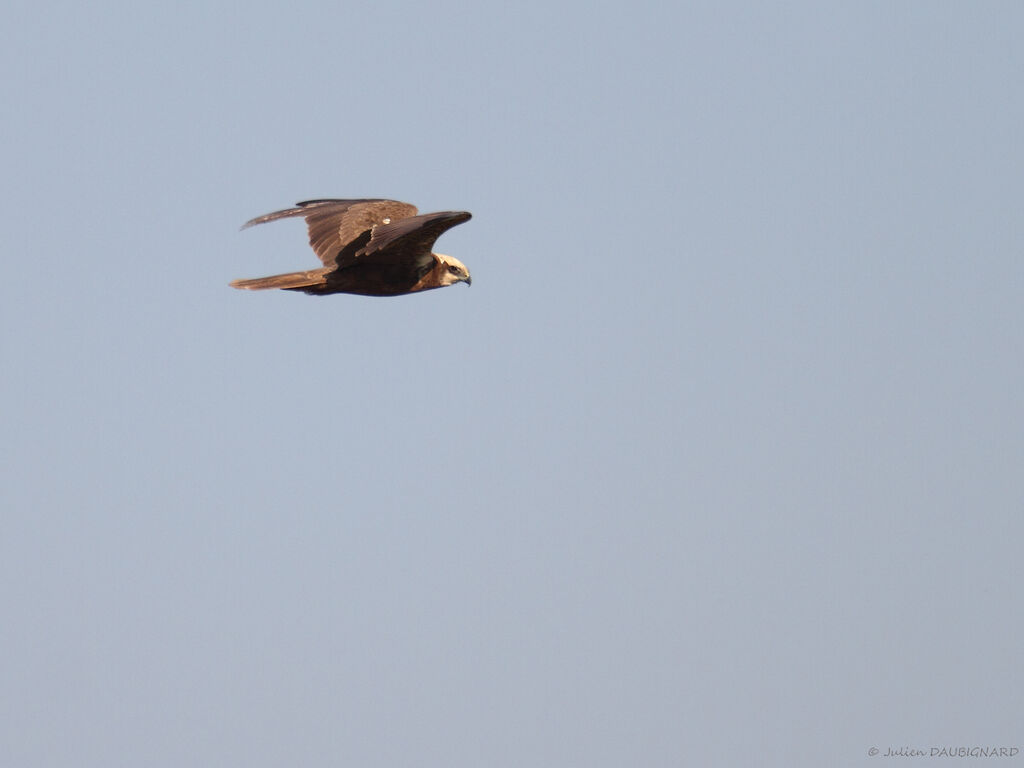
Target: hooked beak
point(468, 280)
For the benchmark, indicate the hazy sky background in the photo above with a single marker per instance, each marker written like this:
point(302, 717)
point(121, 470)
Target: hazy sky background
point(719, 461)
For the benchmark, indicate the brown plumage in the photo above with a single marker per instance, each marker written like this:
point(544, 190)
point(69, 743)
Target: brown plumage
point(368, 247)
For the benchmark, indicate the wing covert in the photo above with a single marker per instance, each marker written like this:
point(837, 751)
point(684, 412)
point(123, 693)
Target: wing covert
point(410, 239)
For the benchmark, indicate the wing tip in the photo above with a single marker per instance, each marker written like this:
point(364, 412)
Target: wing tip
point(273, 216)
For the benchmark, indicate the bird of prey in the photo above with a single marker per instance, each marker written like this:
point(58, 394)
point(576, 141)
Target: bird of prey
point(368, 247)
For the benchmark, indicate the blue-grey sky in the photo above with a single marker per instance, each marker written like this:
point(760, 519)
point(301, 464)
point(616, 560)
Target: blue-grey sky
point(719, 460)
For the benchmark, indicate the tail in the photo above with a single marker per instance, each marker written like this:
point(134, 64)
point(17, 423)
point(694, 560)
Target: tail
point(290, 281)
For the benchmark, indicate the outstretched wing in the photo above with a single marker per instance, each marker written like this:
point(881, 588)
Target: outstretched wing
point(407, 241)
point(334, 224)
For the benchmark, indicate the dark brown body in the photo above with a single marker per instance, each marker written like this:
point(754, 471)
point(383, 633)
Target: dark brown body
point(374, 280)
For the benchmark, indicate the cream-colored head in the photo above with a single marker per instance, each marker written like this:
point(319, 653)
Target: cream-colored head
point(452, 270)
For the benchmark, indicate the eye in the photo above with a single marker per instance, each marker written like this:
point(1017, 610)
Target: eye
point(454, 270)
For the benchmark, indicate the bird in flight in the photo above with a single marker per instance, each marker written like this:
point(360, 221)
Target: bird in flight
point(368, 247)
